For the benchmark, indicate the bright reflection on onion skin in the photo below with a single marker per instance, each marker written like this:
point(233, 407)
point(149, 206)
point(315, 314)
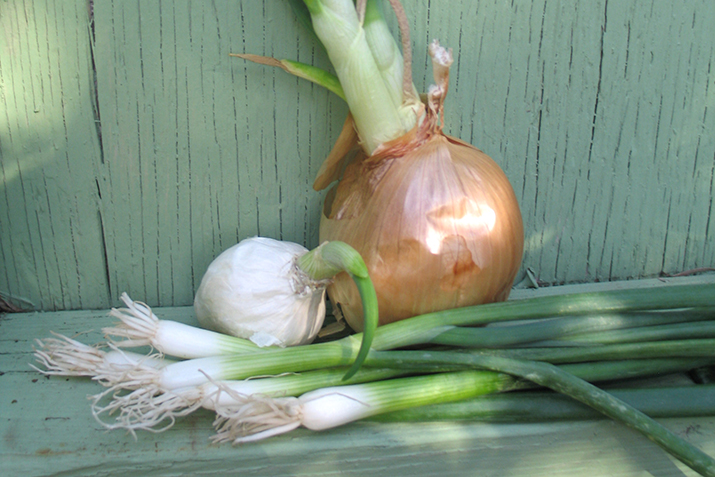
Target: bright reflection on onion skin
point(477, 217)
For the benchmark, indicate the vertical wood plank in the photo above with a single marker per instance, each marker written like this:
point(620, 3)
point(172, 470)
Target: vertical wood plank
point(51, 254)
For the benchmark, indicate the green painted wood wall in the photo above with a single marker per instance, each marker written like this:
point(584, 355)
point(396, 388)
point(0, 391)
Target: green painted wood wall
point(133, 149)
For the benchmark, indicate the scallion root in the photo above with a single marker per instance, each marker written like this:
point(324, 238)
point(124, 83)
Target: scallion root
point(147, 408)
point(63, 356)
point(255, 417)
point(138, 326)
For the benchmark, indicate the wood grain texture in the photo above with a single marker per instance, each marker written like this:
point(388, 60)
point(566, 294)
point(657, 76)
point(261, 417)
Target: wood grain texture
point(600, 113)
point(51, 253)
point(47, 428)
point(202, 150)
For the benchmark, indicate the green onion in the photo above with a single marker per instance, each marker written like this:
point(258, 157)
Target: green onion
point(141, 327)
point(344, 351)
point(396, 73)
point(331, 407)
point(193, 372)
point(573, 327)
point(149, 408)
point(426, 328)
point(692, 348)
point(533, 406)
point(671, 331)
point(422, 329)
point(551, 376)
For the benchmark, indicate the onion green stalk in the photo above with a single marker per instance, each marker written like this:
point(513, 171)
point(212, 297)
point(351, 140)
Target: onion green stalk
point(378, 80)
point(692, 348)
point(301, 70)
point(377, 118)
point(539, 406)
point(552, 377)
point(331, 258)
point(395, 72)
point(672, 331)
point(592, 328)
point(424, 328)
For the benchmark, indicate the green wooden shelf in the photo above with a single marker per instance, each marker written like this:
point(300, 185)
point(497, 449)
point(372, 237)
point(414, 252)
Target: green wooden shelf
point(47, 428)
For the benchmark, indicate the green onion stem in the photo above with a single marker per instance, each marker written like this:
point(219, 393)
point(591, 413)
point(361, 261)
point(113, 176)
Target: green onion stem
point(401, 393)
point(295, 384)
point(300, 10)
point(368, 297)
point(552, 377)
point(327, 260)
point(147, 409)
point(390, 62)
point(254, 419)
point(423, 328)
point(692, 348)
point(596, 371)
point(311, 73)
point(556, 328)
point(619, 370)
point(673, 331)
point(337, 25)
point(539, 406)
point(298, 358)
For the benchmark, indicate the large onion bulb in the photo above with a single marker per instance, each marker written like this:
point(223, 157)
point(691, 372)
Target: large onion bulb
point(434, 218)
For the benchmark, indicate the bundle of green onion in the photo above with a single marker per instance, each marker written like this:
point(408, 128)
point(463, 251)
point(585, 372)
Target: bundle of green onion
point(546, 342)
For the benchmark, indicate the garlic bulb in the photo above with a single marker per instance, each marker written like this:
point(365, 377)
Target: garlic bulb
point(435, 220)
point(255, 290)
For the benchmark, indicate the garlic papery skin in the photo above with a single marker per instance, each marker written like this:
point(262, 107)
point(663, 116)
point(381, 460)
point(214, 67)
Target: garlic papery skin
point(255, 290)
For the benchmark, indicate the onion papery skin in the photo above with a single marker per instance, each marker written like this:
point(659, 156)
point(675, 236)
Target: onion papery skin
point(436, 222)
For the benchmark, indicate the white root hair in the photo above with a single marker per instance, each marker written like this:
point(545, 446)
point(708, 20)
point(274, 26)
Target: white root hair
point(63, 356)
point(134, 373)
point(138, 324)
point(255, 417)
point(251, 417)
point(149, 408)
